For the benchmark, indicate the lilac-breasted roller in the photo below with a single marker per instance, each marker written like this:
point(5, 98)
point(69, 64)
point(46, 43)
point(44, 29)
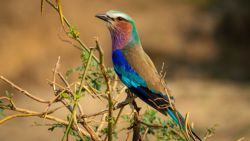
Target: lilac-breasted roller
point(135, 69)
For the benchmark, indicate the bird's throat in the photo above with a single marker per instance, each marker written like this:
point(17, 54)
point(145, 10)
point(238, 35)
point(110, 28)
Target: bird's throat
point(123, 35)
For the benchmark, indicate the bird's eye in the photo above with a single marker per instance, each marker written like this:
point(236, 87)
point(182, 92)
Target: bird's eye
point(119, 18)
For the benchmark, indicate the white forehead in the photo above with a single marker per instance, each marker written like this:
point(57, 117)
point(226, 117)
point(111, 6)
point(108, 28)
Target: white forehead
point(115, 14)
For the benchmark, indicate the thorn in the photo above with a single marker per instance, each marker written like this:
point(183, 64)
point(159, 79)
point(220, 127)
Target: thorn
point(58, 2)
point(42, 4)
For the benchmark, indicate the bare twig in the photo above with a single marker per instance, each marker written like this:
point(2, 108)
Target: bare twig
point(54, 86)
point(160, 126)
point(48, 106)
point(86, 67)
point(29, 113)
point(32, 114)
point(108, 91)
point(128, 100)
point(127, 138)
point(55, 72)
point(23, 91)
point(100, 127)
point(118, 116)
point(145, 133)
point(70, 42)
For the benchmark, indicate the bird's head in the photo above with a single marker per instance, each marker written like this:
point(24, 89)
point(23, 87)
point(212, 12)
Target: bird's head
point(122, 28)
point(115, 18)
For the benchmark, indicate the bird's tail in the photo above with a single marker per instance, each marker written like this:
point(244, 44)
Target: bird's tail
point(178, 119)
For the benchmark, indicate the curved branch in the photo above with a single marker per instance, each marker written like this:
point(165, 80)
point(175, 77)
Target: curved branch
point(23, 91)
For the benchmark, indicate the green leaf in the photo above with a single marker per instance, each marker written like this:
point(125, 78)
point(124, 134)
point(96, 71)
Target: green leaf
point(115, 134)
point(104, 131)
point(84, 56)
point(125, 117)
point(72, 70)
point(211, 130)
point(162, 134)
point(87, 138)
point(78, 95)
point(96, 83)
point(66, 96)
point(69, 72)
point(149, 116)
point(73, 32)
point(94, 63)
point(110, 72)
point(78, 68)
point(75, 135)
point(8, 94)
point(54, 126)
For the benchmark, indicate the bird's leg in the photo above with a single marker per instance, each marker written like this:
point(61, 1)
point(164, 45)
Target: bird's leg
point(136, 106)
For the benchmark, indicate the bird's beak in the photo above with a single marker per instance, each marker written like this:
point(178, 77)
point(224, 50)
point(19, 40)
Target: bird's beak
point(103, 17)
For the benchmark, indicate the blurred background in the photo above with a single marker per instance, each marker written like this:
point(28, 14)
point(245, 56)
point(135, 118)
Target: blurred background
point(205, 45)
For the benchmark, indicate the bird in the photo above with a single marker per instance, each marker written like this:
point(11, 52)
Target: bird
point(135, 68)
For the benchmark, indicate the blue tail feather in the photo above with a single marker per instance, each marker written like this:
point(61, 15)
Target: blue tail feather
point(146, 95)
point(175, 118)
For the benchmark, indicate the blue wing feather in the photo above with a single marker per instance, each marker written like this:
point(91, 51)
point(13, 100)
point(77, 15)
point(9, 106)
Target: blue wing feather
point(126, 73)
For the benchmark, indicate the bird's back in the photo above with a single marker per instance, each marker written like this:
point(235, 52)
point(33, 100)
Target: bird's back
point(142, 64)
